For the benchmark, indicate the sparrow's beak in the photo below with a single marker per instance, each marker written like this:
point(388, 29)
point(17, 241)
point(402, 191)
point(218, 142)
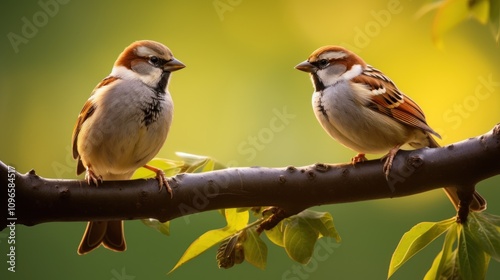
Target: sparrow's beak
point(173, 65)
point(305, 66)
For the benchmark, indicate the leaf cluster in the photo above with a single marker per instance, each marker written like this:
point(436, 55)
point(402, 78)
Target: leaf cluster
point(466, 251)
point(450, 13)
point(467, 248)
point(241, 240)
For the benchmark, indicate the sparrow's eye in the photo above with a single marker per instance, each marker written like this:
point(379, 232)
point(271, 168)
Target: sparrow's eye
point(323, 63)
point(154, 59)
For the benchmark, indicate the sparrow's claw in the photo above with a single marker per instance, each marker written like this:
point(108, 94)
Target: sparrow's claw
point(388, 160)
point(162, 180)
point(91, 177)
point(358, 158)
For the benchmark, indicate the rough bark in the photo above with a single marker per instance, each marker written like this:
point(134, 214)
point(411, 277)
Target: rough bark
point(293, 189)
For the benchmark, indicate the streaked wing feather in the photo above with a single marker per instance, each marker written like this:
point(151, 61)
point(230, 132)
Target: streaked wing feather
point(87, 111)
point(390, 101)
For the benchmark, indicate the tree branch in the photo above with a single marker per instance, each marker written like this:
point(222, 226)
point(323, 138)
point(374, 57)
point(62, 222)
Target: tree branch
point(39, 200)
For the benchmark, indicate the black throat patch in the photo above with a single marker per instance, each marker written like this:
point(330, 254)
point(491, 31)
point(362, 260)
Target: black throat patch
point(153, 108)
point(318, 84)
point(162, 84)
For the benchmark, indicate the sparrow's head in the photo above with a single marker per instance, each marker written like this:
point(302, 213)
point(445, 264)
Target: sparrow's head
point(149, 61)
point(329, 64)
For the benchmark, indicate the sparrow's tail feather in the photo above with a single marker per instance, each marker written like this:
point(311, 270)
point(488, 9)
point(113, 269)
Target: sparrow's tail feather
point(107, 233)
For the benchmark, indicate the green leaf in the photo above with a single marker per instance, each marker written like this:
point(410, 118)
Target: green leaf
point(299, 239)
point(209, 166)
point(203, 243)
point(492, 219)
point(477, 241)
point(452, 12)
point(159, 226)
point(277, 233)
point(170, 167)
point(235, 222)
point(450, 268)
point(495, 18)
point(444, 265)
point(433, 271)
point(197, 163)
point(254, 248)
point(428, 7)
point(192, 162)
point(320, 221)
point(299, 233)
point(449, 14)
point(472, 261)
point(415, 240)
point(190, 159)
point(485, 234)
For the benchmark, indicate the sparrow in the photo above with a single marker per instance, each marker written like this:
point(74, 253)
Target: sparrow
point(122, 126)
point(362, 108)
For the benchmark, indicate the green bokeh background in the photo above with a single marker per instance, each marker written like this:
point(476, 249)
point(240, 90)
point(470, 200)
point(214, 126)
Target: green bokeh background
point(239, 72)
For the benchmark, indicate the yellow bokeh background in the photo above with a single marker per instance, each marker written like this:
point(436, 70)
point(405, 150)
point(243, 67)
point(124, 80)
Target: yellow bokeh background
point(239, 80)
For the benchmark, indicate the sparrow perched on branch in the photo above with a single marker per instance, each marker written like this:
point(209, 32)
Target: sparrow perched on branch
point(363, 109)
point(122, 126)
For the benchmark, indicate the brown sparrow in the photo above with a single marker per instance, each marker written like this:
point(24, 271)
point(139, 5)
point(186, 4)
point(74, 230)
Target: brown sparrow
point(363, 109)
point(122, 126)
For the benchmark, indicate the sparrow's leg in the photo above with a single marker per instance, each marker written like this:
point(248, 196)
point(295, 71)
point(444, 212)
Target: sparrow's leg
point(358, 158)
point(162, 180)
point(91, 177)
point(388, 160)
